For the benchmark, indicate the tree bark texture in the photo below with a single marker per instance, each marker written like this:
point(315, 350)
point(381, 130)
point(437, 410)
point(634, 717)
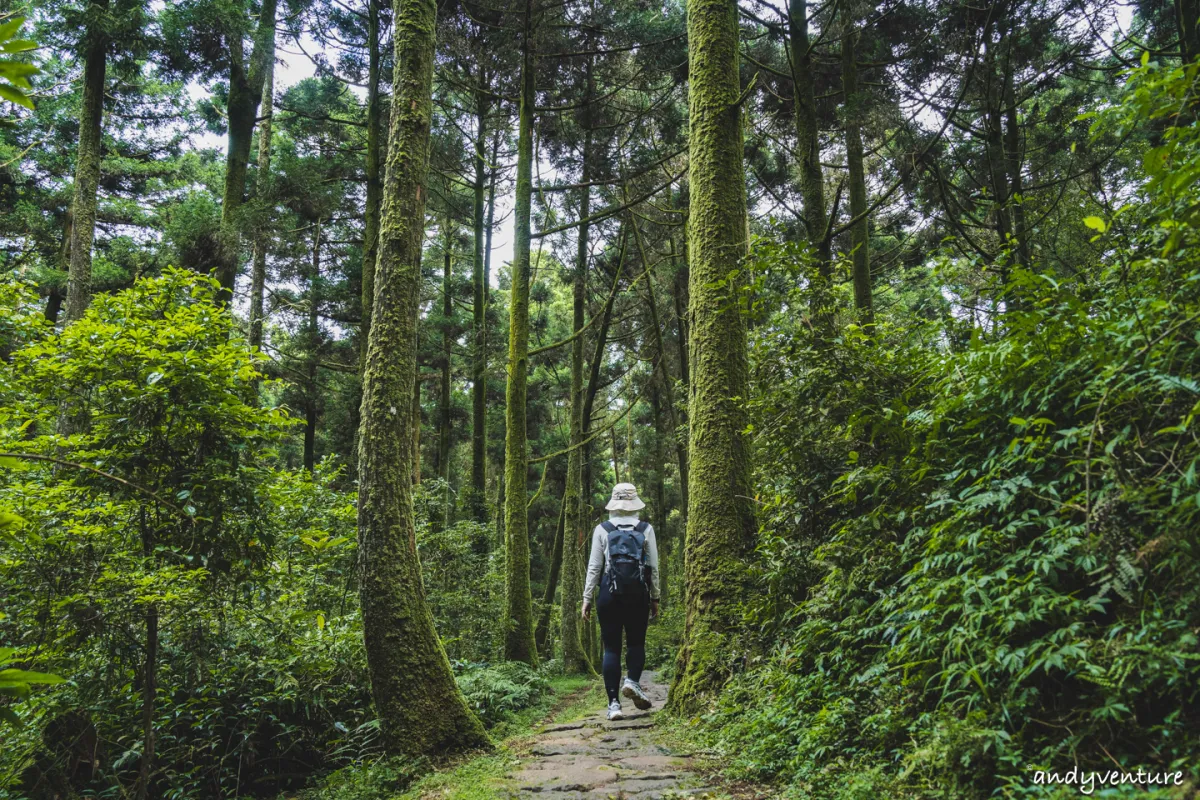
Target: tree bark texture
point(720, 517)
point(419, 705)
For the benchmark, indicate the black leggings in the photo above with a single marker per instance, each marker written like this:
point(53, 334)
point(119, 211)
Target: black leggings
point(628, 612)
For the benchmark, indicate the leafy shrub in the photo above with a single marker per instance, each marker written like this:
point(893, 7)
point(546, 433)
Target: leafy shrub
point(496, 692)
point(381, 779)
point(662, 640)
point(464, 584)
point(245, 572)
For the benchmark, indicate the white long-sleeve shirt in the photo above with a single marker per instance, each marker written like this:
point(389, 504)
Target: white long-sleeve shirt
point(599, 553)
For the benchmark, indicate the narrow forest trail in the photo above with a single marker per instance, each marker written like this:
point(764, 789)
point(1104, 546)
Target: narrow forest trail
point(596, 759)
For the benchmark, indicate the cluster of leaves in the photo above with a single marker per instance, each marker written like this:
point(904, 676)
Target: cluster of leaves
point(979, 552)
point(14, 73)
point(496, 692)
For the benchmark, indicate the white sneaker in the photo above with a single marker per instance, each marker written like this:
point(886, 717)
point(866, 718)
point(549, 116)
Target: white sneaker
point(633, 690)
point(614, 711)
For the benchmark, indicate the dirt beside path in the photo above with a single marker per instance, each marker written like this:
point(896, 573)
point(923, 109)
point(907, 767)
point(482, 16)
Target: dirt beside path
point(596, 759)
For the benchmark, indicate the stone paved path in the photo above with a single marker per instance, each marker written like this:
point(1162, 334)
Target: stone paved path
point(595, 759)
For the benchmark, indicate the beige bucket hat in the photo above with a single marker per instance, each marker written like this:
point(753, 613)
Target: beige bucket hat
point(625, 498)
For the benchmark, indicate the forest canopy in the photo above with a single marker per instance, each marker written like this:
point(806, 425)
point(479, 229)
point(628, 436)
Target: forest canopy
point(327, 327)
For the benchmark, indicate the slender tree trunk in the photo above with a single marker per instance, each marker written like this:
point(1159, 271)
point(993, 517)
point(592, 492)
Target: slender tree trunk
point(443, 451)
point(500, 539)
point(54, 302)
point(664, 373)
point(420, 708)
point(244, 92)
point(56, 296)
point(593, 384)
point(993, 126)
point(149, 689)
point(859, 234)
point(616, 460)
point(87, 173)
point(808, 136)
point(444, 407)
point(681, 339)
point(374, 179)
point(1187, 17)
point(720, 518)
point(659, 491)
point(556, 567)
point(314, 353)
point(494, 171)
point(149, 679)
point(478, 503)
point(629, 446)
point(258, 270)
point(518, 639)
point(679, 298)
point(416, 429)
point(1013, 161)
point(575, 660)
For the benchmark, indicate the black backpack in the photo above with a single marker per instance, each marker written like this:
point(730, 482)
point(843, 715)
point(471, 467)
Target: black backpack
point(627, 569)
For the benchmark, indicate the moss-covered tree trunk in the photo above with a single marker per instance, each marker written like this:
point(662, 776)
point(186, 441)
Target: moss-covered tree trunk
point(370, 252)
point(720, 518)
point(478, 504)
point(808, 136)
point(444, 405)
point(852, 122)
point(246, 77)
point(518, 637)
point(541, 633)
point(659, 491)
point(87, 171)
point(419, 705)
point(575, 659)
point(258, 268)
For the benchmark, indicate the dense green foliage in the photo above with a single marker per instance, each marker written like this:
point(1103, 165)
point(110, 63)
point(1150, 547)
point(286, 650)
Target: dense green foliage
point(979, 545)
point(250, 568)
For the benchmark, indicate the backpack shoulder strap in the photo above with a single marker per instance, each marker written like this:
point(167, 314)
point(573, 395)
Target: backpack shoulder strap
point(641, 528)
point(608, 526)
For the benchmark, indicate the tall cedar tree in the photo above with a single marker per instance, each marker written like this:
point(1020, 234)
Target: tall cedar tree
point(852, 122)
point(87, 165)
point(519, 634)
point(720, 517)
point(258, 264)
point(575, 536)
point(418, 702)
point(246, 79)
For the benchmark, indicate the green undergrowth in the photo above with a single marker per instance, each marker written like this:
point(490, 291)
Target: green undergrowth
point(560, 698)
point(977, 565)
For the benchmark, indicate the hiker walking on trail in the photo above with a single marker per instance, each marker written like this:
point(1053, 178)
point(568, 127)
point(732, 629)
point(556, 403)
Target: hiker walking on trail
point(624, 566)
